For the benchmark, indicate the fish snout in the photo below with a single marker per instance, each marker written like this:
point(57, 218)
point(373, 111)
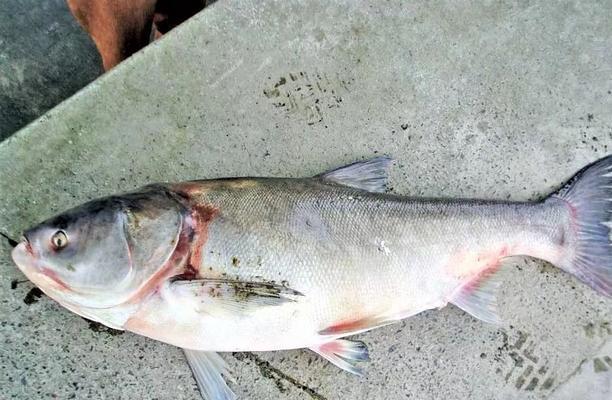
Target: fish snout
point(23, 256)
point(27, 260)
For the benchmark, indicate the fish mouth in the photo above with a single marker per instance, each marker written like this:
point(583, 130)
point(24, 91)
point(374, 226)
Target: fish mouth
point(24, 258)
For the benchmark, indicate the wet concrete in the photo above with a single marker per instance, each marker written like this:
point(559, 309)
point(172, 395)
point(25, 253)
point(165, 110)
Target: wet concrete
point(492, 101)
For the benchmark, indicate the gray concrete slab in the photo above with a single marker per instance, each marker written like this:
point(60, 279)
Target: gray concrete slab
point(474, 100)
point(45, 57)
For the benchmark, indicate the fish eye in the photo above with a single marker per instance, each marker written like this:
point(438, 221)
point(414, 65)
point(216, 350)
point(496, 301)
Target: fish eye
point(59, 240)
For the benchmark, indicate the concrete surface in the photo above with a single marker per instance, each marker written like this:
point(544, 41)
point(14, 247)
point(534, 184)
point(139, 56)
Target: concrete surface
point(474, 100)
point(45, 57)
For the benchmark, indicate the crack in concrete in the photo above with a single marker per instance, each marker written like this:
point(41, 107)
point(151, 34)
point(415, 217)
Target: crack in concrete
point(270, 372)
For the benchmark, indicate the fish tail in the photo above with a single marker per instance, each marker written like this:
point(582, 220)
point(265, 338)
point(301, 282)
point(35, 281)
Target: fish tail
point(588, 250)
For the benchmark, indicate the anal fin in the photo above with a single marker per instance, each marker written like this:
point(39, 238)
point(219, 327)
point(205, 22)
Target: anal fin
point(344, 354)
point(478, 296)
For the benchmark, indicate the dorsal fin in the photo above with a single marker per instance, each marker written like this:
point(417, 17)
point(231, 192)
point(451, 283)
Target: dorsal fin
point(370, 175)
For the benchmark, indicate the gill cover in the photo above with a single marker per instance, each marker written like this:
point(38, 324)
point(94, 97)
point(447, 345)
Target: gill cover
point(153, 226)
point(115, 245)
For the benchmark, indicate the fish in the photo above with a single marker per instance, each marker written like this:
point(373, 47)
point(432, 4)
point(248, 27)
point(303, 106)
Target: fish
point(267, 264)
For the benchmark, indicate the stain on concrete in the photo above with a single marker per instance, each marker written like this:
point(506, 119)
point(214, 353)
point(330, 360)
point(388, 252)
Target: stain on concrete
point(33, 295)
point(278, 377)
point(482, 126)
point(548, 383)
point(12, 242)
point(597, 329)
point(309, 95)
point(99, 328)
point(524, 366)
point(599, 365)
point(17, 282)
point(532, 385)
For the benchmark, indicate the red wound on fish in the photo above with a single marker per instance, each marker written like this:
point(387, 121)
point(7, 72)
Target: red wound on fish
point(345, 326)
point(185, 261)
point(466, 264)
point(198, 217)
point(201, 215)
point(181, 254)
point(352, 326)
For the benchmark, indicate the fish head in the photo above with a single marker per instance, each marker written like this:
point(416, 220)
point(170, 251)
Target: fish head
point(102, 253)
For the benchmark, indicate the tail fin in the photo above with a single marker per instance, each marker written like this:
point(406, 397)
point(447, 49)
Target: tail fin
point(589, 198)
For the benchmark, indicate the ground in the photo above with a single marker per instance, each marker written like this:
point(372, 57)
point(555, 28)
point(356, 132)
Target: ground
point(45, 57)
point(492, 101)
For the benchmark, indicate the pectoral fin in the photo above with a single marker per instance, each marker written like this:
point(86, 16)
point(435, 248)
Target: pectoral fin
point(208, 369)
point(344, 354)
point(222, 296)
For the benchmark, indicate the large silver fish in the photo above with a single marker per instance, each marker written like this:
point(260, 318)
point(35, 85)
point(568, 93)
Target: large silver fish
point(254, 264)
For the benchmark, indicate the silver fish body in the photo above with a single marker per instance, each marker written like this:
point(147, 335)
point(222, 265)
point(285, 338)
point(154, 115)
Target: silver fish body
point(353, 255)
point(257, 264)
